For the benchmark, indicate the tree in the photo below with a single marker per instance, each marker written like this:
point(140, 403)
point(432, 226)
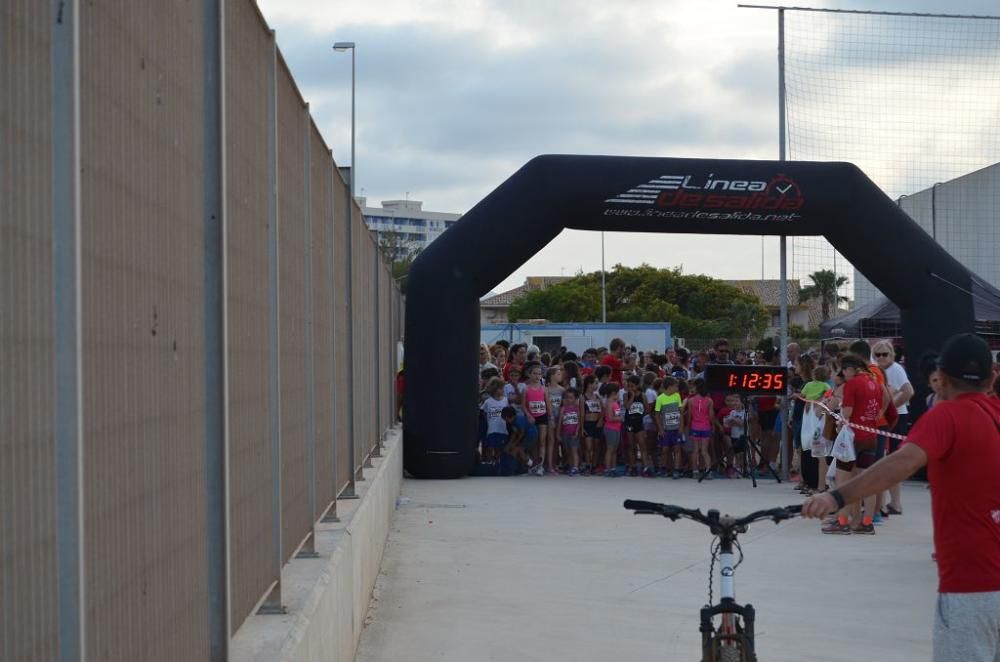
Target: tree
point(696, 306)
point(399, 252)
point(825, 286)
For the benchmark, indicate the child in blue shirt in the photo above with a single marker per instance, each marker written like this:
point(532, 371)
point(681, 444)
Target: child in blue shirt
point(522, 434)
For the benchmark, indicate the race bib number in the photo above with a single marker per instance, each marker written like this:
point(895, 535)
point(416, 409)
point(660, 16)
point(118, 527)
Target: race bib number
point(536, 407)
point(671, 419)
point(571, 418)
point(556, 399)
point(594, 406)
point(637, 408)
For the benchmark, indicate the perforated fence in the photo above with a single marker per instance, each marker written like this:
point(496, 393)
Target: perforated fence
point(197, 332)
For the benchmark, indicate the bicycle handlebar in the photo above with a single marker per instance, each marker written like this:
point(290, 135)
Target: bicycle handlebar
point(673, 512)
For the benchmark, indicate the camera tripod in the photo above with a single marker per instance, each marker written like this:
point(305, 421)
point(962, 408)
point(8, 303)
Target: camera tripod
point(747, 445)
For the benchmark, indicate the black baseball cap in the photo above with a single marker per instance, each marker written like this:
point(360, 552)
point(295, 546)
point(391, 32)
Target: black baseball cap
point(966, 356)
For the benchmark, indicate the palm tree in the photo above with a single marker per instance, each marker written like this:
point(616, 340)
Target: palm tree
point(825, 286)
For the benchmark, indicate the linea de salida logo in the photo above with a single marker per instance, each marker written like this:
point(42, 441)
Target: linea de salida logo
point(781, 193)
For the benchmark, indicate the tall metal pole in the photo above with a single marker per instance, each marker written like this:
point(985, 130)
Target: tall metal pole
point(354, 163)
point(350, 492)
point(67, 296)
point(786, 451)
point(604, 289)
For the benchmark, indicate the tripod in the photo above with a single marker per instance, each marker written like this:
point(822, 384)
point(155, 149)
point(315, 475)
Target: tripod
point(747, 446)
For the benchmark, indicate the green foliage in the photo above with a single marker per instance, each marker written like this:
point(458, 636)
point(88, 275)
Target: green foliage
point(825, 286)
point(399, 252)
point(696, 306)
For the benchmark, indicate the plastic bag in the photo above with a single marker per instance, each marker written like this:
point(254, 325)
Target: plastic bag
point(812, 427)
point(843, 445)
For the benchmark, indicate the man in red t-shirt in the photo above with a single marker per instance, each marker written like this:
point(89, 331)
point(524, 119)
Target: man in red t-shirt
point(959, 441)
point(613, 359)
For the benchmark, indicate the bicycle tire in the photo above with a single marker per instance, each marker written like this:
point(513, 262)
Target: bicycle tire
point(730, 654)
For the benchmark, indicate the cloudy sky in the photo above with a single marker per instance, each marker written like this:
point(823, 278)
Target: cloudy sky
point(455, 95)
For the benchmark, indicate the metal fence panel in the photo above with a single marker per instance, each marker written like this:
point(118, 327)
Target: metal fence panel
point(143, 331)
point(321, 172)
point(28, 616)
point(293, 243)
point(342, 359)
point(359, 358)
point(248, 60)
point(148, 169)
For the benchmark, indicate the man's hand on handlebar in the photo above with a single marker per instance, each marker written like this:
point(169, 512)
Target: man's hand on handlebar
point(819, 506)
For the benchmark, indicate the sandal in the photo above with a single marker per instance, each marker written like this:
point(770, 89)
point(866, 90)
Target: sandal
point(893, 511)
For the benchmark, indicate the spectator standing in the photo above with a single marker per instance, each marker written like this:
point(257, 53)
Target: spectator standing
point(537, 406)
point(593, 416)
point(700, 421)
point(668, 422)
point(496, 427)
point(613, 359)
point(959, 442)
point(862, 404)
point(484, 359)
point(518, 357)
point(901, 391)
point(614, 414)
point(570, 428)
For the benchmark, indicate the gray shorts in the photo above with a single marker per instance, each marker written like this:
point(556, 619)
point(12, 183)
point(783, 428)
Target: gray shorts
point(571, 441)
point(967, 627)
point(612, 437)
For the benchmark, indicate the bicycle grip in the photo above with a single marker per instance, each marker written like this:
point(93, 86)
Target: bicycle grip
point(642, 505)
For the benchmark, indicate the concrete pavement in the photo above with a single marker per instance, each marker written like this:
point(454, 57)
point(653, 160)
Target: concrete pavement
point(553, 568)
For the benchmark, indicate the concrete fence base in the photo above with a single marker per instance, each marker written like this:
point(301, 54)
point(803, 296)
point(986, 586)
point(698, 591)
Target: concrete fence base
point(327, 597)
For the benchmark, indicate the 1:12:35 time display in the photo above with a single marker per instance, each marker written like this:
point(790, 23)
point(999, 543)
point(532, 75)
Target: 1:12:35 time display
point(753, 381)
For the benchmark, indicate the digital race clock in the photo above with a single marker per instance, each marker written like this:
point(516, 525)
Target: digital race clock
point(746, 379)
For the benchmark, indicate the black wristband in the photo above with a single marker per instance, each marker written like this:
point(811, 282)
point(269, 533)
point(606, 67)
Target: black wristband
point(839, 498)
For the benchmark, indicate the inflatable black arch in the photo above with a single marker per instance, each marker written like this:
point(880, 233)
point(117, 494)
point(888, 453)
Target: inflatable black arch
point(636, 194)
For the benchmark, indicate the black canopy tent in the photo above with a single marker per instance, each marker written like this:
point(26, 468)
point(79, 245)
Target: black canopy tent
point(881, 318)
point(635, 194)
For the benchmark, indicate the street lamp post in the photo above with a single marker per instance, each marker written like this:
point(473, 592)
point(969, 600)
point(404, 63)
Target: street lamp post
point(340, 47)
point(356, 472)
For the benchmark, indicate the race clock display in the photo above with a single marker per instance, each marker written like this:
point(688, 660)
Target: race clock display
point(746, 379)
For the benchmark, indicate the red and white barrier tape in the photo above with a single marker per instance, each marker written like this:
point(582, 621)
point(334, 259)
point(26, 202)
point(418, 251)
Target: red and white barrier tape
point(864, 428)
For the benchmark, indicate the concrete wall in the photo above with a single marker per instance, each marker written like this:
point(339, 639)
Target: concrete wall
point(327, 597)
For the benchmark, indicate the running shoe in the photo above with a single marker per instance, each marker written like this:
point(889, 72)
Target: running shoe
point(865, 530)
point(676, 475)
point(611, 473)
point(574, 472)
point(837, 529)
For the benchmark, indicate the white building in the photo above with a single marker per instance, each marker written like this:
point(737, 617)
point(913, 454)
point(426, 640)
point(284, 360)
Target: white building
point(963, 215)
point(414, 227)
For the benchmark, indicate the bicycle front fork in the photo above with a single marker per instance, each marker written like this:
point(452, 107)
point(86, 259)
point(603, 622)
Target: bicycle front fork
point(711, 639)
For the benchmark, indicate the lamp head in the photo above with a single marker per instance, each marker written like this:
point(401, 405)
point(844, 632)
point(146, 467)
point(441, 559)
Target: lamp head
point(342, 46)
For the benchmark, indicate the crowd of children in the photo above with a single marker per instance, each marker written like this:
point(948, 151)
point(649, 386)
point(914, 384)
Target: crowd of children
point(615, 411)
point(612, 411)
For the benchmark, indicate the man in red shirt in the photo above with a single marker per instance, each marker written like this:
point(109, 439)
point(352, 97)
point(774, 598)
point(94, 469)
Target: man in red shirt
point(613, 359)
point(959, 441)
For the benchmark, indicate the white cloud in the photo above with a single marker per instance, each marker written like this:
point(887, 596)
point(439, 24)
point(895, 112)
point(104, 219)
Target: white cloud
point(455, 95)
